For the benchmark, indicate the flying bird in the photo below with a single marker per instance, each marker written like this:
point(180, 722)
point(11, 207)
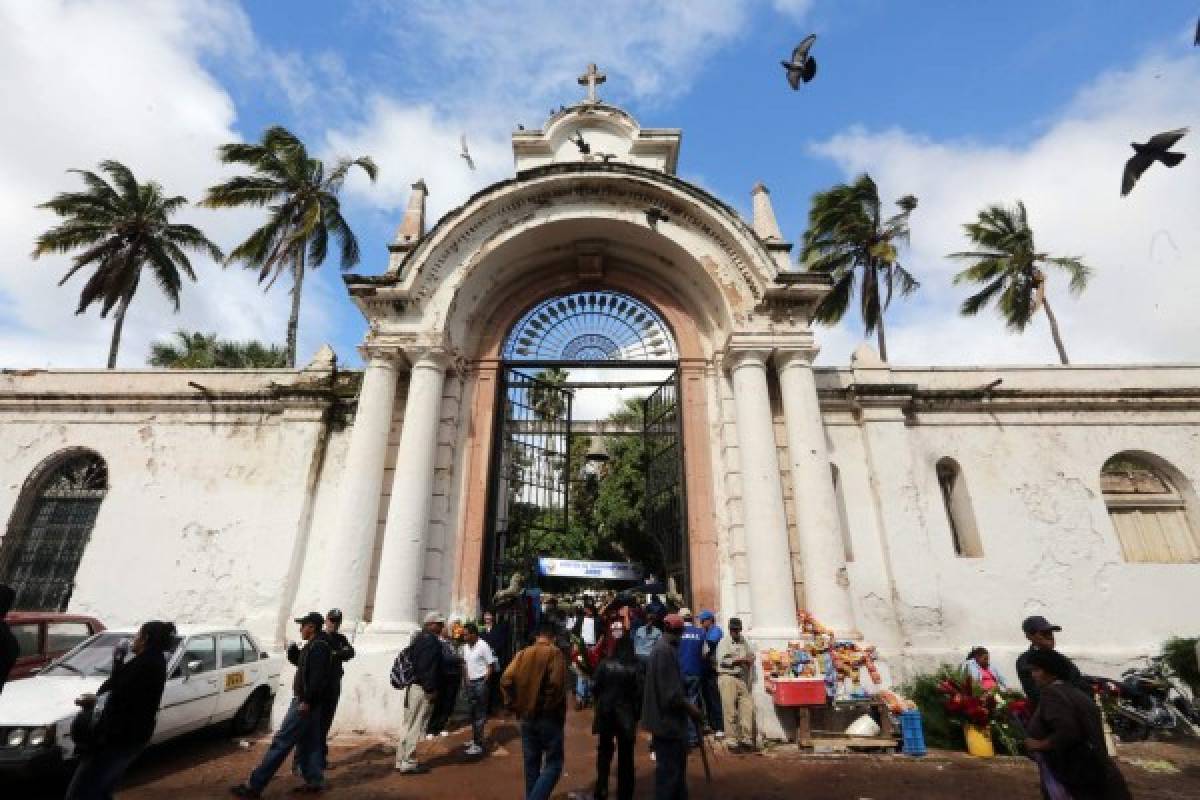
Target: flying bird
point(1157, 149)
point(583, 146)
point(466, 155)
point(802, 67)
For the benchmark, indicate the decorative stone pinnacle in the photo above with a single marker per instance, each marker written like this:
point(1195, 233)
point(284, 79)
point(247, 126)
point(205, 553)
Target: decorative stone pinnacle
point(412, 226)
point(591, 79)
point(764, 223)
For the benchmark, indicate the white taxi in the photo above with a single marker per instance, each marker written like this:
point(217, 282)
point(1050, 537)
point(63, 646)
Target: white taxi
point(214, 675)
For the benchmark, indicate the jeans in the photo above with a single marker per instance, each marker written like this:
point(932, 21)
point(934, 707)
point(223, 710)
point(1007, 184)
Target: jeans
point(100, 771)
point(477, 702)
point(625, 773)
point(298, 730)
point(447, 695)
point(583, 687)
point(692, 687)
point(542, 746)
point(712, 700)
point(328, 709)
point(670, 773)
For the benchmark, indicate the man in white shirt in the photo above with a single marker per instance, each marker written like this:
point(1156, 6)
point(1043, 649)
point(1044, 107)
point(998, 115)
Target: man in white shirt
point(479, 659)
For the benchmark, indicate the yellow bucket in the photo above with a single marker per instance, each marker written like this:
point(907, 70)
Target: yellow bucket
point(979, 741)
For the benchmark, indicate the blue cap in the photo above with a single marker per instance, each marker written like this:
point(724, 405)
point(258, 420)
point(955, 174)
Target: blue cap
point(706, 615)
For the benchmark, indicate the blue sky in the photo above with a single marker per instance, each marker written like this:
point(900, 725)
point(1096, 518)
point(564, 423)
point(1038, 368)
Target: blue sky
point(959, 103)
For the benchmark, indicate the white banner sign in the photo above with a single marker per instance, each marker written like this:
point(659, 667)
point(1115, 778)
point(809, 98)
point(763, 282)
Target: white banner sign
point(600, 570)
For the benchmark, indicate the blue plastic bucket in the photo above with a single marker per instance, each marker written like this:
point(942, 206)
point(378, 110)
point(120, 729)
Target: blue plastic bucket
point(912, 732)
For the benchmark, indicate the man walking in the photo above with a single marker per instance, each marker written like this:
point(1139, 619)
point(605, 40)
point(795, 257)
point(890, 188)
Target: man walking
point(712, 695)
point(1040, 634)
point(479, 662)
point(691, 664)
point(665, 713)
point(735, 667)
point(425, 654)
point(301, 727)
point(342, 651)
point(535, 689)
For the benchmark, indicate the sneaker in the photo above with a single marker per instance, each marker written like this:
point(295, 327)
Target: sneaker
point(242, 790)
point(412, 769)
point(719, 734)
point(429, 737)
point(474, 749)
point(443, 734)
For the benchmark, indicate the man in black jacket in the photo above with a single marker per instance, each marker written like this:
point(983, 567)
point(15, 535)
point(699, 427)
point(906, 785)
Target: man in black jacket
point(341, 651)
point(9, 649)
point(301, 727)
point(665, 713)
point(134, 692)
point(425, 651)
point(1040, 634)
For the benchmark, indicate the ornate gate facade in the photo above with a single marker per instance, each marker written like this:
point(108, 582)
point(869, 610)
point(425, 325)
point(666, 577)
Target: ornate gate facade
point(664, 502)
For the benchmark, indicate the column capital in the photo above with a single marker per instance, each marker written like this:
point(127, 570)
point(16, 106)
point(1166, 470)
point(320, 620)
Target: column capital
point(380, 355)
point(796, 357)
point(428, 357)
point(737, 357)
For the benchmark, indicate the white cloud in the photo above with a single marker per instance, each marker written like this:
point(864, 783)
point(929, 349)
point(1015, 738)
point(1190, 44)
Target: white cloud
point(1140, 304)
point(87, 81)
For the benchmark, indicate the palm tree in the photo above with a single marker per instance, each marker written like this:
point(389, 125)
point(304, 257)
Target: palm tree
point(121, 226)
point(546, 396)
point(848, 234)
point(1010, 269)
point(196, 350)
point(303, 211)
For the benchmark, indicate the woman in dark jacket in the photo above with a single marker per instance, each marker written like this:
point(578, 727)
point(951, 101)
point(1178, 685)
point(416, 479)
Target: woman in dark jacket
point(1066, 729)
point(617, 691)
point(126, 724)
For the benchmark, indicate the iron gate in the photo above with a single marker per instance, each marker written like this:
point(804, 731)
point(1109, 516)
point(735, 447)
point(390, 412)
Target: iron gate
point(531, 490)
point(664, 500)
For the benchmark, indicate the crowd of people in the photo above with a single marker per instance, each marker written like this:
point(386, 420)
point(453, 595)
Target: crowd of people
point(636, 664)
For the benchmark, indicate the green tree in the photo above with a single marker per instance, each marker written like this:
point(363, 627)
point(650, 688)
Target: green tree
point(1009, 267)
point(122, 227)
point(303, 211)
point(547, 397)
point(196, 350)
point(849, 239)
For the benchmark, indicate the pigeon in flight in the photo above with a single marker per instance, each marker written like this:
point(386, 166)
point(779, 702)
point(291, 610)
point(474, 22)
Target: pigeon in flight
point(583, 146)
point(466, 155)
point(1157, 149)
point(802, 67)
point(655, 216)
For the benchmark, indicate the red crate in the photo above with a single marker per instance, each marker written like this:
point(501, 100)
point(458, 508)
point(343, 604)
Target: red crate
point(797, 691)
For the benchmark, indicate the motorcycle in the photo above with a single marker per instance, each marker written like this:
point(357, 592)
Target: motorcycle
point(1146, 700)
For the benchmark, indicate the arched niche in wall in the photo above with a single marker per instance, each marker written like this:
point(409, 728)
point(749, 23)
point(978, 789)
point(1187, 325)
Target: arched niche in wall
point(960, 516)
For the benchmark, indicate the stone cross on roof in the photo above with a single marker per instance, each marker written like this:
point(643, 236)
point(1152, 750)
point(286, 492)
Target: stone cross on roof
point(591, 79)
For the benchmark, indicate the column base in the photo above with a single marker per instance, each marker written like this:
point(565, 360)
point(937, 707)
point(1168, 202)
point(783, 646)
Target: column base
point(767, 636)
point(388, 629)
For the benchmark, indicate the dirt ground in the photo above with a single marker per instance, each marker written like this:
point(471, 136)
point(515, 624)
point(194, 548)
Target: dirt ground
point(205, 765)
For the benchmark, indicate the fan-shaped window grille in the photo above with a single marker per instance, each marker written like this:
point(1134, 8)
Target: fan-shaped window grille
point(51, 527)
point(590, 326)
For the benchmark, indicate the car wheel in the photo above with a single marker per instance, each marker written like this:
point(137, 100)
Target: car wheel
point(248, 717)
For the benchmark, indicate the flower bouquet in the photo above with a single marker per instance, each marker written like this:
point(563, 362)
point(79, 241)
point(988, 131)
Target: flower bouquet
point(987, 713)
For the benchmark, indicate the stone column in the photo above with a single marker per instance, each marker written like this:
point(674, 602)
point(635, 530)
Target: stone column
point(819, 525)
point(347, 568)
point(768, 555)
point(402, 562)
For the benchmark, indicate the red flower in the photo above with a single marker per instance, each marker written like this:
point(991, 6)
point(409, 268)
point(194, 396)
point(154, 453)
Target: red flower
point(1018, 707)
point(979, 716)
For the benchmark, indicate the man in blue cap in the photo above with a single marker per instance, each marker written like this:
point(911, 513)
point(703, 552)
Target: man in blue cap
point(711, 693)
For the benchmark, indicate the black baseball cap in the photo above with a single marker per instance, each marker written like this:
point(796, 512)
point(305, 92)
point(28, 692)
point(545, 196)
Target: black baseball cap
point(735, 624)
point(311, 618)
point(1037, 624)
point(334, 615)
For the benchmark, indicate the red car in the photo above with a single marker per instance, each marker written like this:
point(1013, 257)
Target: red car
point(45, 635)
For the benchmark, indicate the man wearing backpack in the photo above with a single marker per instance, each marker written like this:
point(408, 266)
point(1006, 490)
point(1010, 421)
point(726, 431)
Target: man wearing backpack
point(424, 655)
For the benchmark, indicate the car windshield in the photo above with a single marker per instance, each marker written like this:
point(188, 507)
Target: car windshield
point(94, 657)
